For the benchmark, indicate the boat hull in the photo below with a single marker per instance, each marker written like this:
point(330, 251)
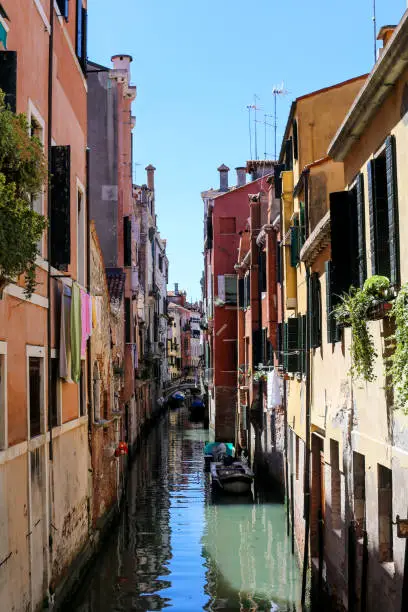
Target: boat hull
point(235, 479)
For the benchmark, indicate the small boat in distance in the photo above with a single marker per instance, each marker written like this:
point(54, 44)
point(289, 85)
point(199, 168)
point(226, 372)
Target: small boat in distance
point(235, 478)
point(216, 451)
point(176, 399)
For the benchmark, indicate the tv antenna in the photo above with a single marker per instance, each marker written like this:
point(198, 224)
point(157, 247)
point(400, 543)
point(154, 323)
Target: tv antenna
point(278, 90)
point(375, 32)
point(265, 124)
point(255, 108)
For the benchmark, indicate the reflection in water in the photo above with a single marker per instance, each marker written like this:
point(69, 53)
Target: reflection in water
point(179, 547)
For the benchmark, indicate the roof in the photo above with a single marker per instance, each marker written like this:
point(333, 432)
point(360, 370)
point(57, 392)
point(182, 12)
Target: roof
point(379, 84)
point(116, 282)
point(310, 95)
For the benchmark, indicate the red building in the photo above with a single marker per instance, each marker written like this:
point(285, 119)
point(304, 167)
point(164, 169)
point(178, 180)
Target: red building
point(226, 213)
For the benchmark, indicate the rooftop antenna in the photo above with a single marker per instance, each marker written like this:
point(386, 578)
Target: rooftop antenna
point(278, 90)
point(253, 107)
point(249, 107)
point(375, 33)
point(265, 124)
point(255, 122)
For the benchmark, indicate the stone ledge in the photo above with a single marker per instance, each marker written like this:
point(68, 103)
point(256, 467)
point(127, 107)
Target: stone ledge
point(317, 241)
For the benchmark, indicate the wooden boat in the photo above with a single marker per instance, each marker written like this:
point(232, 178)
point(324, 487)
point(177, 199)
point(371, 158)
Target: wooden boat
point(235, 478)
point(213, 452)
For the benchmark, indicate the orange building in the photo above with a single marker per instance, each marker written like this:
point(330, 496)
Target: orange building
point(44, 478)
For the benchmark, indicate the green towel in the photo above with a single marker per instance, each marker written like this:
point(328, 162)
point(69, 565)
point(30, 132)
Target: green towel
point(76, 333)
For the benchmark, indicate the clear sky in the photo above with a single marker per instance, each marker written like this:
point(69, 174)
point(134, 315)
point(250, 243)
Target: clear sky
point(197, 65)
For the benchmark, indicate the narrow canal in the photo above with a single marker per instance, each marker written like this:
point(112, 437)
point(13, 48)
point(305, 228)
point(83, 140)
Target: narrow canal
point(177, 547)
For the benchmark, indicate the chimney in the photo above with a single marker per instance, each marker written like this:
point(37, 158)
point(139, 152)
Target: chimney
point(385, 34)
point(150, 176)
point(241, 176)
point(122, 62)
point(223, 170)
point(176, 291)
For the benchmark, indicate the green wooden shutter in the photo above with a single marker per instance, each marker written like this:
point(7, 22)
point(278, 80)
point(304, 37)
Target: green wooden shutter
point(280, 343)
point(295, 138)
point(302, 234)
point(361, 241)
point(378, 208)
point(304, 343)
point(293, 344)
point(392, 198)
point(8, 78)
point(294, 246)
point(60, 222)
point(315, 310)
point(285, 346)
point(333, 331)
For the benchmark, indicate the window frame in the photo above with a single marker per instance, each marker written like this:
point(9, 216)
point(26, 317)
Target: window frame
point(233, 279)
point(80, 189)
point(3, 397)
point(36, 352)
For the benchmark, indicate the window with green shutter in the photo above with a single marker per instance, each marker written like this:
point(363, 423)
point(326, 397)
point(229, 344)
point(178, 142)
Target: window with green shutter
point(315, 310)
point(392, 201)
point(294, 246)
point(293, 345)
point(378, 208)
point(303, 344)
point(302, 226)
point(361, 241)
point(343, 222)
point(285, 346)
point(280, 343)
point(333, 331)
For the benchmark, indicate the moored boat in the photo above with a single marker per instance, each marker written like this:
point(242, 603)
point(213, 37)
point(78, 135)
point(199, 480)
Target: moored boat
point(216, 451)
point(235, 478)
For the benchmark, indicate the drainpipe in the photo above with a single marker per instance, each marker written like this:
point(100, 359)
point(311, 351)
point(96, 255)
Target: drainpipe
point(284, 398)
point(88, 286)
point(306, 484)
point(49, 145)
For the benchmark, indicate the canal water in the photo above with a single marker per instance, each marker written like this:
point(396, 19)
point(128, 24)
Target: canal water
point(178, 547)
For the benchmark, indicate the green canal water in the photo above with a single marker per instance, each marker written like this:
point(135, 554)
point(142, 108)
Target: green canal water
point(178, 547)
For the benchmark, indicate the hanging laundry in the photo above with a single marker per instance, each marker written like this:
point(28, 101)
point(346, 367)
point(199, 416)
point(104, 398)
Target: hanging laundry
point(85, 321)
point(65, 336)
point(76, 332)
point(274, 397)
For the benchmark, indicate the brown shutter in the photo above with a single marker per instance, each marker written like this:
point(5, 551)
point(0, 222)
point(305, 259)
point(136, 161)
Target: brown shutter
point(60, 222)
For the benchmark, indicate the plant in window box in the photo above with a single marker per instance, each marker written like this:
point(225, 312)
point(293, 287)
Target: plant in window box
point(352, 311)
point(22, 175)
point(260, 374)
point(397, 367)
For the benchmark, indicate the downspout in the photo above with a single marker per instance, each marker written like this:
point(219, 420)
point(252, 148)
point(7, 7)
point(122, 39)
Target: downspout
point(284, 398)
point(88, 286)
point(49, 208)
point(306, 484)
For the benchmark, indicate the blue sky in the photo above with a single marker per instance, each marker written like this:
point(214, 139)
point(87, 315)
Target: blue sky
point(198, 64)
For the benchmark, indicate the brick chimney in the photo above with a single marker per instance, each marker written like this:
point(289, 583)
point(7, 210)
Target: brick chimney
point(241, 176)
point(223, 170)
point(150, 176)
point(122, 62)
point(385, 34)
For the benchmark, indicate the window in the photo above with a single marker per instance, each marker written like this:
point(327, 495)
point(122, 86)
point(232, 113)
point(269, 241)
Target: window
point(82, 389)
point(247, 291)
point(333, 330)
point(63, 8)
point(3, 396)
point(315, 311)
point(35, 390)
point(383, 208)
point(81, 253)
point(81, 34)
point(60, 223)
point(288, 154)
point(8, 78)
point(359, 492)
point(385, 513)
point(36, 126)
point(54, 407)
point(230, 288)
point(294, 245)
point(292, 345)
point(127, 242)
point(295, 138)
point(128, 332)
point(335, 485)
point(227, 225)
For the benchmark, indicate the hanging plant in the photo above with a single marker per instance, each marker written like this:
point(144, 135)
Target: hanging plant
point(398, 362)
point(353, 310)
